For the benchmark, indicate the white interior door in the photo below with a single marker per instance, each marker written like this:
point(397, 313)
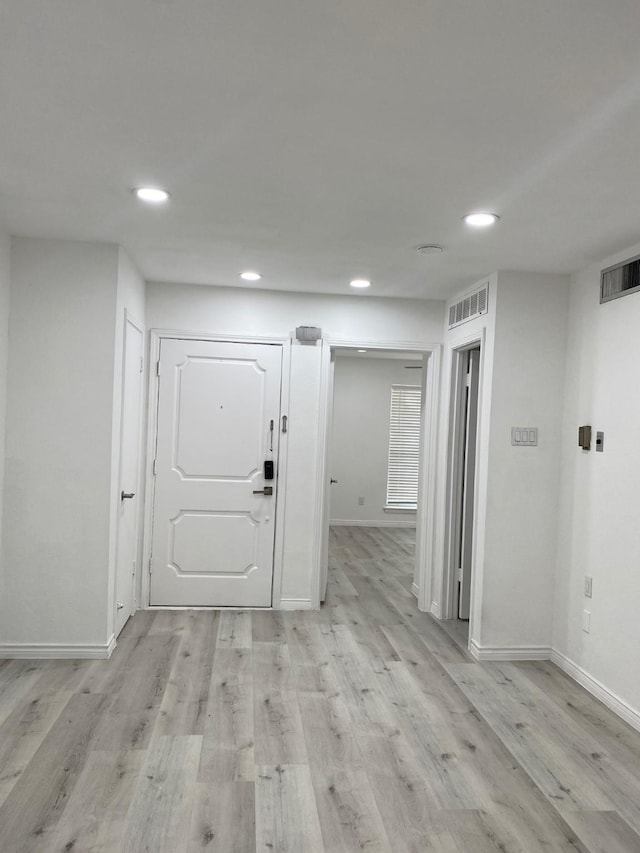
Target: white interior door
point(326, 510)
point(468, 482)
point(218, 422)
point(127, 541)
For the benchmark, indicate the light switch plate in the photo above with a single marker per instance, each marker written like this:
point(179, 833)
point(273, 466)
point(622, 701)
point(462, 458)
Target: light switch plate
point(586, 621)
point(524, 436)
point(588, 587)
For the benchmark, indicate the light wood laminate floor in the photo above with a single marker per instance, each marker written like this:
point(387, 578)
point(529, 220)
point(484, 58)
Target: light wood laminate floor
point(362, 727)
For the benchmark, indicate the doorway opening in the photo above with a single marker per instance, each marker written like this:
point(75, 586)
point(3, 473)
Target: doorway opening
point(466, 381)
point(374, 492)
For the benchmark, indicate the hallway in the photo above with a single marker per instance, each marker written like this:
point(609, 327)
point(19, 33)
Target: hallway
point(359, 727)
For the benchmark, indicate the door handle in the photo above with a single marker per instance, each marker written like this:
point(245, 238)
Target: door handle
point(126, 496)
point(332, 481)
point(268, 490)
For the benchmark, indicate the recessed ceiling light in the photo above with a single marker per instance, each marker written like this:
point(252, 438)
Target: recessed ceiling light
point(481, 219)
point(360, 282)
point(250, 276)
point(152, 195)
point(430, 249)
point(362, 350)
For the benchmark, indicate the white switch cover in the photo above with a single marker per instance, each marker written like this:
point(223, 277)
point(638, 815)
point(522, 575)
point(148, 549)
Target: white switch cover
point(524, 436)
point(588, 587)
point(586, 621)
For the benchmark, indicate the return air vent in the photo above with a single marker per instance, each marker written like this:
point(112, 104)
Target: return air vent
point(620, 279)
point(471, 306)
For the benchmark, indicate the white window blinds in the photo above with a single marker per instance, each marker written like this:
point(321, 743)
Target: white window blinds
point(404, 447)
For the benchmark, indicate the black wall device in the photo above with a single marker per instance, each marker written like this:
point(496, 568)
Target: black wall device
point(268, 469)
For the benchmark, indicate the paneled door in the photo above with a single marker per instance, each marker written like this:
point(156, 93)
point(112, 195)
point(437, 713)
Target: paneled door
point(214, 512)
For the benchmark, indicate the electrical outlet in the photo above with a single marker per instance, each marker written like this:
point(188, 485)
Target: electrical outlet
point(588, 587)
point(586, 621)
point(361, 501)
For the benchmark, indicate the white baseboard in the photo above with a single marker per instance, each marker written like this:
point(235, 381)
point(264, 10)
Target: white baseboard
point(415, 590)
point(357, 522)
point(435, 609)
point(497, 653)
point(58, 651)
point(295, 604)
point(597, 689)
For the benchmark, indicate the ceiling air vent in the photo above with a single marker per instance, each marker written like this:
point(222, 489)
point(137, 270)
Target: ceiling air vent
point(620, 279)
point(470, 307)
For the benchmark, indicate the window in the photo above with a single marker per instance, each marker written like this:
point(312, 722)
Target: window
point(404, 447)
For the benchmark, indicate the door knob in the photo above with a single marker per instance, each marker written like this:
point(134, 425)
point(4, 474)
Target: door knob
point(119, 605)
point(126, 496)
point(268, 490)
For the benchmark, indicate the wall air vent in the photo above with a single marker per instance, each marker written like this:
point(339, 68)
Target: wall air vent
point(471, 306)
point(620, 279)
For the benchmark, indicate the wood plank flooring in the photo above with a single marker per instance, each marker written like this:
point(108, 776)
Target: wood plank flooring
point(362, 727)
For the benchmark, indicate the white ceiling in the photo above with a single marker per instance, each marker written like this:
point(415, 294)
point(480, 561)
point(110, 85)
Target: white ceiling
point(319, 140)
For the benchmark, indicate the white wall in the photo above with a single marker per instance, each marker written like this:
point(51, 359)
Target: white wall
point(245, 312)
point(599, 533)
point(517, 489)
point(5, 251)
point(360, 437)
point(524, 482)
point(58, 444)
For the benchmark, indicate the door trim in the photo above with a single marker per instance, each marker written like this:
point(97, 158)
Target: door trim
point(451, 490)
point(156, 336)
point(425, 519)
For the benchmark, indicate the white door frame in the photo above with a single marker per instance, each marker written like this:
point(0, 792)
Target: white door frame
point(425, 519)
point(155, 338)
point(455, 434)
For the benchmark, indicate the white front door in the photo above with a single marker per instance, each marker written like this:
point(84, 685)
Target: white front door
point(218, 422)
point(128, 503)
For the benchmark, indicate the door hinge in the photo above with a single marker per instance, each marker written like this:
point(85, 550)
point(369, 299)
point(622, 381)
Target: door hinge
point(284, 423)
point(460, 575)
point(150, 569)
point(468, 380)
point(141, 364)
point(158, 367)
point(155, 467)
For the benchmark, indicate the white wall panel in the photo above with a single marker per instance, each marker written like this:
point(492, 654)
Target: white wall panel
point(599, 533)
point(5, 286)
point(58, 445)
point(524, 482)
